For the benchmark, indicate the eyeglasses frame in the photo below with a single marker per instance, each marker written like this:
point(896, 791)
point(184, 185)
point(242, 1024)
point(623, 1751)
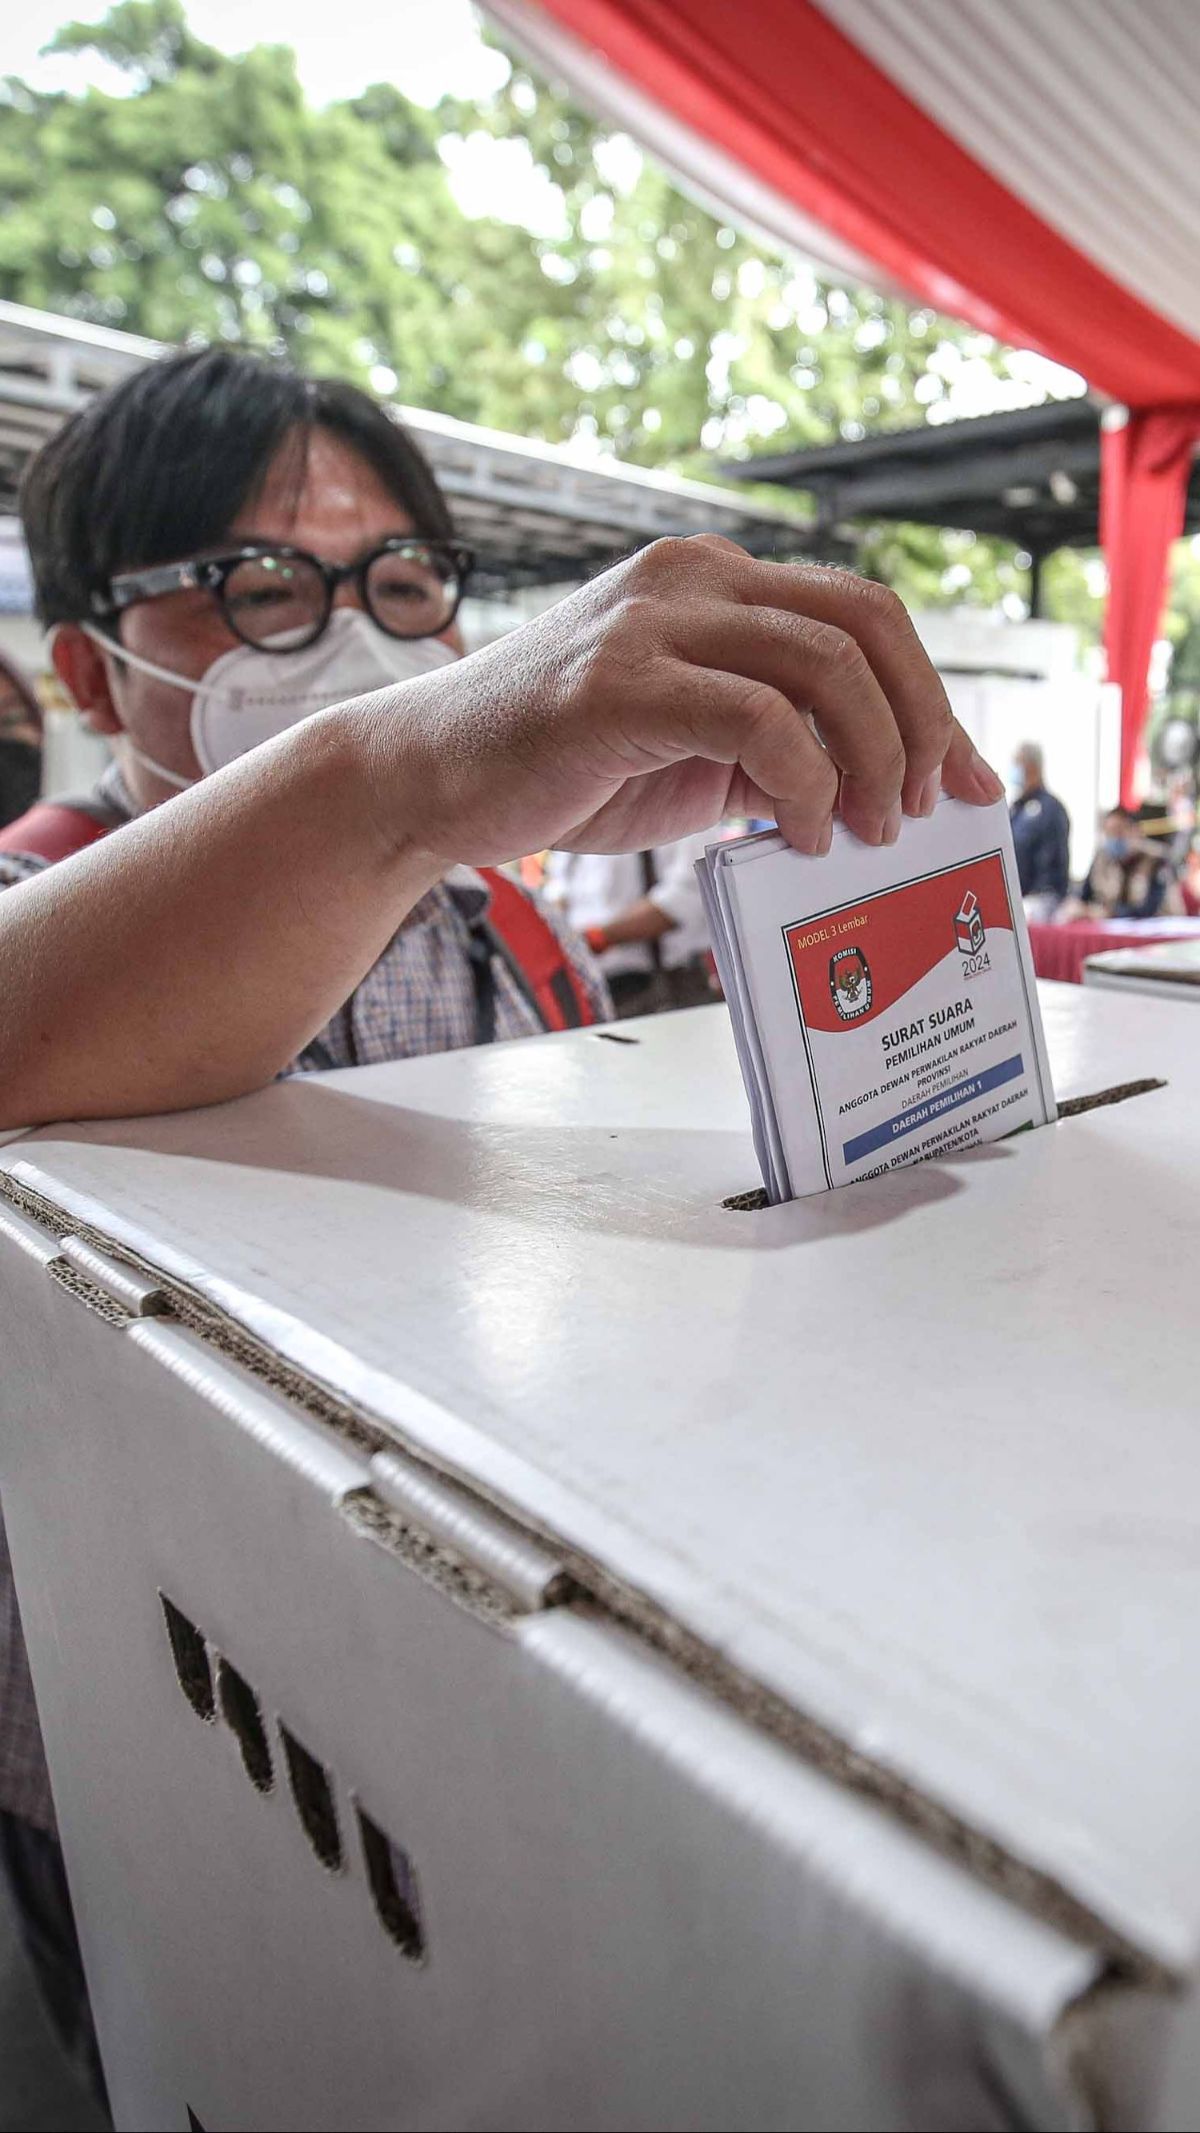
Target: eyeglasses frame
point(211, 574)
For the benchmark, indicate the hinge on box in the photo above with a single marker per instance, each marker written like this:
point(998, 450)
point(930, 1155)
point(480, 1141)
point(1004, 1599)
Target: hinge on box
point(113, 1291)
point(474, 1554)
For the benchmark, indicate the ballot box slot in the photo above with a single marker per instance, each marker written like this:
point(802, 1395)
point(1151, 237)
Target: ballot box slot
point(502, 1571)
point(754, 1200)
point(1074, 1106)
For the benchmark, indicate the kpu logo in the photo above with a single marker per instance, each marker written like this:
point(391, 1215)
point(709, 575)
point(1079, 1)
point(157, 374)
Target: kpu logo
point(850, 983)
point(968, 925)
point(971, 936)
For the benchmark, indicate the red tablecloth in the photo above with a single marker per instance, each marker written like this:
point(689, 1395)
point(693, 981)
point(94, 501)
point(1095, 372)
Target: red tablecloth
point(1061, 951)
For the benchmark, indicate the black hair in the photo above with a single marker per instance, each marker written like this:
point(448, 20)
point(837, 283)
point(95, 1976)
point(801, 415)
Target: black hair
point(159, 467)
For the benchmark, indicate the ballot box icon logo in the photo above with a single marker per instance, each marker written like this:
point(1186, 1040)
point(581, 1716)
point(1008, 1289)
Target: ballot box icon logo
point(850, 983)
point(968, 925)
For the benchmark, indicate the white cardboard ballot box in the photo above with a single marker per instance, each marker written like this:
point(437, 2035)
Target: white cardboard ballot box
point(522, 1643)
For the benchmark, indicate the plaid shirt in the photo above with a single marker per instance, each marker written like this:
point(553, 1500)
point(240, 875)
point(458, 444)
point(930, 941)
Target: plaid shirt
point(421, 996)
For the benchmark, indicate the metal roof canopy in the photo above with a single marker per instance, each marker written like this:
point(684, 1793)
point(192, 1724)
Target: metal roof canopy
point(1031, 476)
point(533, 514)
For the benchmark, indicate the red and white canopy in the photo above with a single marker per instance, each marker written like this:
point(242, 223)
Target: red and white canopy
point(1028, 165)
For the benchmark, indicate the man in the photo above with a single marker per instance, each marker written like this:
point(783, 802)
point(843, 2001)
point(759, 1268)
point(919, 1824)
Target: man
point(1041, 830)
point(642, 916)
point(264, 885)
point(204, 948)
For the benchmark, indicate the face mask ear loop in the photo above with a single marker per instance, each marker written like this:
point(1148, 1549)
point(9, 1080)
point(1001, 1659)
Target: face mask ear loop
point(143, 666)
point(169, 777)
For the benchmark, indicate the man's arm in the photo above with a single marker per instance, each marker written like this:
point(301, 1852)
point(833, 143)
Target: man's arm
point(188, 957)
point(643, 920)
point(670, 901)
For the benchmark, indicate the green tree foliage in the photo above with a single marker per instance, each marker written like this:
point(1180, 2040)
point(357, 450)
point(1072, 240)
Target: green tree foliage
point(213, 201)
point(208, 198)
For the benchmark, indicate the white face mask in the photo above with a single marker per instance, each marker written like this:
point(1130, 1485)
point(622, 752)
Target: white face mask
point(246, 697)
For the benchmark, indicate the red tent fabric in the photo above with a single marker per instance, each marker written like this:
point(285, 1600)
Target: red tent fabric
point(1145, 462)
point(856, 116)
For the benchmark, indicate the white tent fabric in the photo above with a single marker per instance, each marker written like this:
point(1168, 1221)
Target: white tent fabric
point(1085, 109)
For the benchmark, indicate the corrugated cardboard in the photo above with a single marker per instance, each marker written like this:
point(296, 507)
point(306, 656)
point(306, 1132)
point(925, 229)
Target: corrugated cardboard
point(767, 1635)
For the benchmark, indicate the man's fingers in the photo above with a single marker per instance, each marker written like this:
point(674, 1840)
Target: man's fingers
point(965, 775)
point(729, 719)
point(880, 625)
point(711, 571)
point(817, 667)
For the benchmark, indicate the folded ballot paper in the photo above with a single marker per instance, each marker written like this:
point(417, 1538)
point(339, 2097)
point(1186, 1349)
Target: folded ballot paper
point(883, 998)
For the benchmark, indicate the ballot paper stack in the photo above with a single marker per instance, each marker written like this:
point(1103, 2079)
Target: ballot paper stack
point(883, 998)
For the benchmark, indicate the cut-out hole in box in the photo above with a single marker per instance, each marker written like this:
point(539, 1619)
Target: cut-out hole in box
point(393, 1884)
point(315, 1804)
point(190, 1654)
point(242, 1713)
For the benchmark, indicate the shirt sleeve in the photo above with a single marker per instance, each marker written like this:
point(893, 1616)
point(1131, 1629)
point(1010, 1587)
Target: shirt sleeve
point(676, 890)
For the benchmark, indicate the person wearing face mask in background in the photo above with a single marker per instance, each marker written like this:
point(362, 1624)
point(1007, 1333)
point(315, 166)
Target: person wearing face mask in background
point(20, 742)
point(1130, 877)
point(223, 549)
point(1041, 830)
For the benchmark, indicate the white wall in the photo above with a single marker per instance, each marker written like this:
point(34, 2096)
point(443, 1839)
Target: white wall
point(1076, 723)
point(1011, 682)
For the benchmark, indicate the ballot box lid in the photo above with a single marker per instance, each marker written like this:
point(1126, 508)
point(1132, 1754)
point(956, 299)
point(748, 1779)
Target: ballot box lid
point(909, 1473)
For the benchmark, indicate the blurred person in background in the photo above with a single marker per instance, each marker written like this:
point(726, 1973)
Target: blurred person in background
point(1041, 830)
point(1131, 876)
point(20, 742)
point(642, 916)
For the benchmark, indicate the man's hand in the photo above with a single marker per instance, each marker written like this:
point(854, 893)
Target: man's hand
point(688, 683)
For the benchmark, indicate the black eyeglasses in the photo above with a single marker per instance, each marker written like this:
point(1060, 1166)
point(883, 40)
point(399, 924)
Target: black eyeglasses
point(279, 599)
